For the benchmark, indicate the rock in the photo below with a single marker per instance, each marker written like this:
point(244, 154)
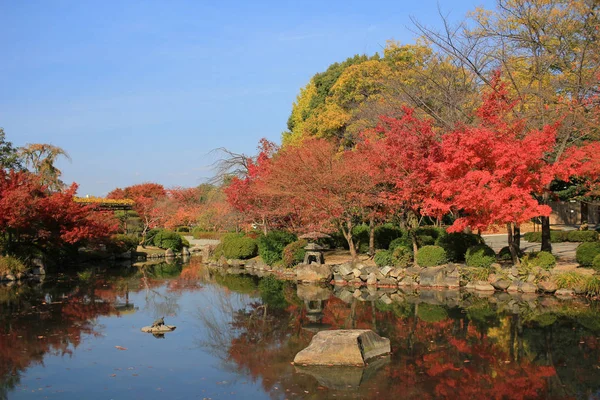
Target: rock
point(564, 292)
point(10, 277)
point(407, 281)
point(432, 276)
point(372, 279)
point(514, 271)
point(356, 272)
point(343, 378)
point(470, 286)
point(158, 329)
point(413, 270)
point(385, 271)
point(185, 251)
point(547, 286)
point(38, 271)
point(530, 278)
point(345, 269)
point(395, 273)
point(345, 296)
point(169, 253)
point(451, 282)
point(514, 286)
point(313, 273)
point(501, 284)
point(352, 347)
point(482, 286)
point(527, 287)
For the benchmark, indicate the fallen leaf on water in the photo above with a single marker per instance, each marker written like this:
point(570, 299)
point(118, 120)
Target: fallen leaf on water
point(120, 348)
point(113, 375)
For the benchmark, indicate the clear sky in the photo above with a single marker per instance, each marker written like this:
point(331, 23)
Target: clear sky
point(139, 91)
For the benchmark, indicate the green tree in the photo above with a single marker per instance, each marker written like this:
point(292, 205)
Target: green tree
point(9, 158)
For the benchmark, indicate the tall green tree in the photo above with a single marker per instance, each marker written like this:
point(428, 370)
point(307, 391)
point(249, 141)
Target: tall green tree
point(9, 157)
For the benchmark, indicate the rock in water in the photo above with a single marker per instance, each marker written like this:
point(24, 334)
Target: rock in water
point(158, 329)
point(351, 347)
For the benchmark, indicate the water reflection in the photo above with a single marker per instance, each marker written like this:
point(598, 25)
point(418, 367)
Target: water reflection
point(446, 344)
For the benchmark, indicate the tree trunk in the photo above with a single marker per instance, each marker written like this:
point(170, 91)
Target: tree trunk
point(372, 237)
point(546, 245)
point(584, 212)
point(517, 237)
point(545, 222)
point(511, 244)
point(264, 224)
point(348, 235)
point(413, 237)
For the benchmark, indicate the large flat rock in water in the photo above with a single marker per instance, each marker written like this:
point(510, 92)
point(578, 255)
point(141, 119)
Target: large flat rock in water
point(158, 329)
point(350, 347)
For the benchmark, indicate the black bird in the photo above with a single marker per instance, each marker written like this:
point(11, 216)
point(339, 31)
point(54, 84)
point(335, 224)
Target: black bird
point(158, 322)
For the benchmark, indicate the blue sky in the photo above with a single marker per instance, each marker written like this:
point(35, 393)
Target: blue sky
point(139, 91)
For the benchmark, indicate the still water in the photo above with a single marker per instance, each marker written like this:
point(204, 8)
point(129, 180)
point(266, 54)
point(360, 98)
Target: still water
point(78, 337)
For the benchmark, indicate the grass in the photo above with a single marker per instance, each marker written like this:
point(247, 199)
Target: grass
point(472, 274)
point(11, 265)
point(569, 280)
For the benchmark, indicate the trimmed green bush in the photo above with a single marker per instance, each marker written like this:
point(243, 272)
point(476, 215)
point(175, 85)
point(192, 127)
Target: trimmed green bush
point(480, 255)
point(542, 259)
point(403, 241)
point(121, 243)
point(563, 236)
point(586, 252)
point(596, 263)
point(166, 239)
point(383, 258)
point(430, 256)
point(199, 233)
point(457, 244)
point(582, 236)
point(11, 265)
point(271, 245)
point(237, 246)
point(386, 233)
point(402, 256)
point(361, 238)
point(294, 253)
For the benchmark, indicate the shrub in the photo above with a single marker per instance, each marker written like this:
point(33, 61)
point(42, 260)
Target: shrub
point(360, 234)
point(199, 233)
point(596, 263)
point(568, 280)
point(383, 258)
point(182, 229)
point(271, 245)
point(586, 252)
point(236, 246)
point(121, 243)
point(184, 242)
point(386, 233)
point(562, 236)
point(166, 239)
point(480, 255)
point(430, 256)
point(457, 244)
point(582, 236)
point(542, 259)
point(402, 256)
point(403, 241)
point(11, 265)
point(294, 253)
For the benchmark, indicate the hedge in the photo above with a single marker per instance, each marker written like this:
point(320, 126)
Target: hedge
point(457, 244)
point(563, 236)
point(587, 252)
point(480, 255)
point(542, 259)
point(271, 245)
point(430, 256)
point(236, 246)
point(166, 239)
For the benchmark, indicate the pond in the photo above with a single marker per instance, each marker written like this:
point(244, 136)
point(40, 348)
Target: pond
point(78, 336)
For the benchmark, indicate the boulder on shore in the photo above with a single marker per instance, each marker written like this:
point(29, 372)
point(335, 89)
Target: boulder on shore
point(350, 347)
point(313, 273)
